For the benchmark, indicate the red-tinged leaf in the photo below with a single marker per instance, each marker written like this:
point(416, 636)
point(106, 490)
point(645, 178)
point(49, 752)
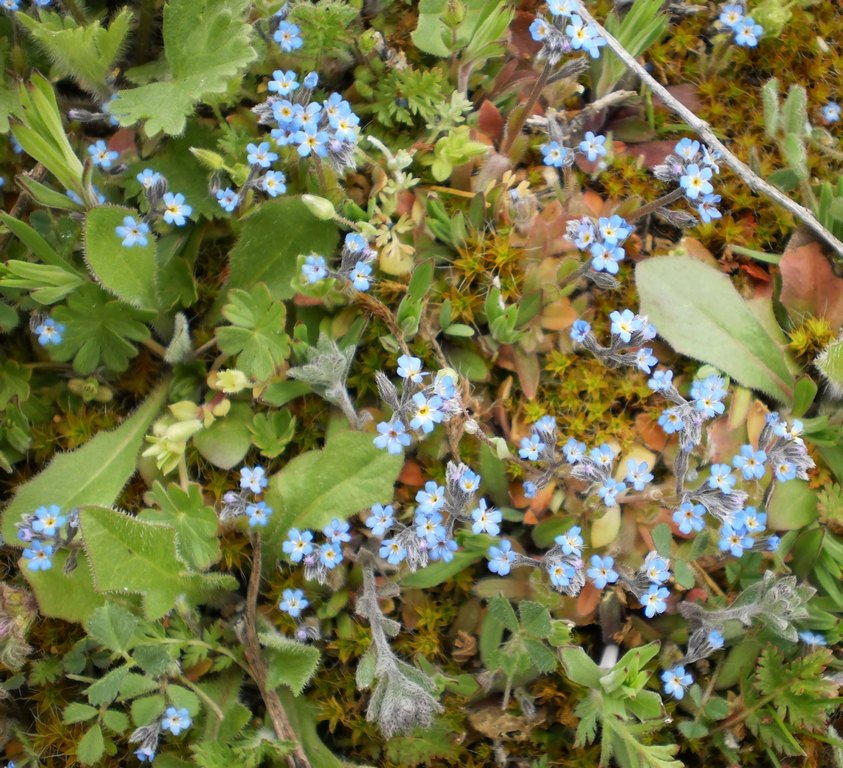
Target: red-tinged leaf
point(654, 152)
point(809, 285)
point(529, 372)
point(587, 603)
point(490, 121)
point(633, 130)
point(521, 42)
point(651, 434)
point(411, 474)
point(756, 271)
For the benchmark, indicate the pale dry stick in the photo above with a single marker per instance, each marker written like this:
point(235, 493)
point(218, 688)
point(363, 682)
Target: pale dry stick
point(702, 129)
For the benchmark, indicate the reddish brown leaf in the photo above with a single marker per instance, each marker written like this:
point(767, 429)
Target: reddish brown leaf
point(490, 121)
point(521, 42)
point(654, 152)
point(809, 286)
point(686, 94)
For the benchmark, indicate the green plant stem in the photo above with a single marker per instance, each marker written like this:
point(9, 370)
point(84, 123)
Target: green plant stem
point(199, 351)
point(155, 347)
point(703, 130)
point(209, 702)
point(513, 129)
point(254, 657)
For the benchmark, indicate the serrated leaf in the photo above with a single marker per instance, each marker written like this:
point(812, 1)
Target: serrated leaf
point(129, 555)
point(224, 690)
point(272, 432)
point(501, 611)
point(146, 709)
point(195, 523)
point(115, 721)
point(152, 659)
point(256, 334)
point(105, 690)
point(535, 619)
point(288, 662)
point(91, 746)
point(700, 313)
point(112, 626)
point(92, 474)
point(71, 596)
point(128, 273)
point(271, 240)
point(348, 475)
point(207, 43)
point(86, 53)
point(99, 331)
point(76, 712)
point(541, 657)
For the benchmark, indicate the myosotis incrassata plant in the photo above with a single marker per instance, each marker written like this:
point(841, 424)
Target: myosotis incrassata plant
point(368, 397)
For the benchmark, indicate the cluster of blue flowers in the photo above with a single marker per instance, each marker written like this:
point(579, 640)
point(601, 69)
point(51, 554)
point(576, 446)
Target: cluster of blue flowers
point(171, 207)
point(419, 408)
point(440, 508)
point(556, 155)
point(318, 560)
point(745, 28)
point(565, 32)
point(602, 240)
point(253, 480)
point(45, 531)
point(355, 264)
point(629, 332)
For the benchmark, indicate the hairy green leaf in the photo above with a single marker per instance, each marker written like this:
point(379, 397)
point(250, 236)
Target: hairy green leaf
point(92, 474)
point(700, 313)
point(195, 522)
point(130, 273)
point(99, 331)
point(288, 662)
point(112, 627)
point(207, 43)
point(129, 555)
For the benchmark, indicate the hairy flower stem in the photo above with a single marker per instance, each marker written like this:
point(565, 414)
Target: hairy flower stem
point(513, 129)
point(662, 202)
point(702, 129)
point(274, 707)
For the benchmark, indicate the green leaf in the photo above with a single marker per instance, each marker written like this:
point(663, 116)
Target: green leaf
point(46, 284)
point(112, 626)
point(796, 155)
point(270, 242)
point(92, 474)
point(288, 662)
point(683, 574)
point(99, 331)
point(580, 668)
point(207, 44)
point(71, 596)
point(256, 334)
point(105, 690)
point(76, 712)
point(129, 555)
point(128, 273)
point(85, 53)
point(272, 432)
point(194, 521)
point(795, 111)
point(303, 722)
point(224, 690)
point(154, 659)
point(830, 364)
point(501, 610)
point(663, 539)
point(91, 746)
point(227, 440)
point(37, 244)
point(347, 476)
point(700, 313)
point(793, 505)
point(146, 709)
point(535, 619)
point(772, 114)
point(115, 721)
point(41, 133)
point(785, 179)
